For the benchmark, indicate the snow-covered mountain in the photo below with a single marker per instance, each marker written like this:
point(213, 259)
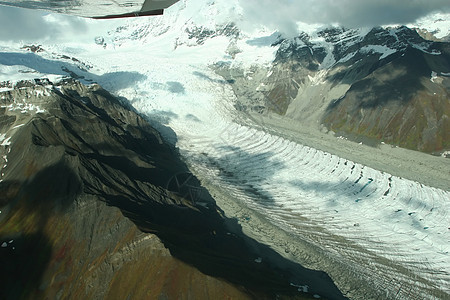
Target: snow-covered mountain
point(365, 80)
point(85, 184)
point(266, 122)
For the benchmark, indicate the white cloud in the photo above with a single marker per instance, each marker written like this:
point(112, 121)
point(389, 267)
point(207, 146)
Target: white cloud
point(283, 14)
point(33, 25)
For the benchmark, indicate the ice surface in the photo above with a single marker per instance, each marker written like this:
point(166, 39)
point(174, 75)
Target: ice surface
point(372, 222)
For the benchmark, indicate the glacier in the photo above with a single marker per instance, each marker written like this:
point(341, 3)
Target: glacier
point(375, 234)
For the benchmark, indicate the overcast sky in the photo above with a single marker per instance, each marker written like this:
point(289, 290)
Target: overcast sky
point(282, 15)
point(25, 24)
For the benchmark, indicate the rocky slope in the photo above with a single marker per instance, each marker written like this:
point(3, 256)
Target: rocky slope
point(404, 101)
point(381, 85)
point(75, 160)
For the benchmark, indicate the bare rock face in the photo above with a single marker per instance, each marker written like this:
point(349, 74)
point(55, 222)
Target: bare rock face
point(405, 102)
point(64, 148)
point(74, 162)
point(385, 85)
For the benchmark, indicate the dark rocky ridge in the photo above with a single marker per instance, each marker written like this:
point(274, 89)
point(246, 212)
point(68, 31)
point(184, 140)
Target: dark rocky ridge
point(67, 146)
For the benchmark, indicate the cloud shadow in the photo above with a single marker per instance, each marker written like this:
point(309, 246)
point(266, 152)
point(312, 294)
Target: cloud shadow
point(113, 81)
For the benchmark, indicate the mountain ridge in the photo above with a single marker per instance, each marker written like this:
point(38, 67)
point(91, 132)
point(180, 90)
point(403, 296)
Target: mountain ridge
point(255, 136)
point(304, 71)
point(70, 152)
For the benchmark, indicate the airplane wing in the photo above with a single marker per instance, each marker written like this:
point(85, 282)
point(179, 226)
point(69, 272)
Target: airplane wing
point(98, 9)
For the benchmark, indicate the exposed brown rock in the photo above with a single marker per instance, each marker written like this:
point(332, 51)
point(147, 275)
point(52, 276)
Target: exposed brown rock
point(87, 185)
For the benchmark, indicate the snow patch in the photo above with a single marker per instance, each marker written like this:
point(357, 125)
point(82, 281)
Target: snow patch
point(347, 57)
point(329, 59)
point(384, 50)
point(41, 93)
point(5, 141)
point(17, 126)
point(434, 76)
point(5, 89)
point(301, 288)
point(319, 78)
point(424, 48)
point(24, 107)
point(261, 86)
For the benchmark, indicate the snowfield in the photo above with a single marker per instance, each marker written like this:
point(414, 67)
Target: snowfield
point(375, 234)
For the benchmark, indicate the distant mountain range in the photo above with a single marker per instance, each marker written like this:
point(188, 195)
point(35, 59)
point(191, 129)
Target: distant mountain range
point(382, 85)
point(377, 85)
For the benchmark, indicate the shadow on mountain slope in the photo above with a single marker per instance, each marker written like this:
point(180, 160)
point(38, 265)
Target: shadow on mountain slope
point(23, 261)
point(87, 145)
point(216, 245)
point(115, 81)
point(26, 250)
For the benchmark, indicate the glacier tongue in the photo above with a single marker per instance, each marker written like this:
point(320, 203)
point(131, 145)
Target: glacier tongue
point(378, 226)
point(377, 235)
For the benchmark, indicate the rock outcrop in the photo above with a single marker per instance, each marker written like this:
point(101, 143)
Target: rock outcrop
point(381, 85)
point(74, 162)
point(404, 101)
